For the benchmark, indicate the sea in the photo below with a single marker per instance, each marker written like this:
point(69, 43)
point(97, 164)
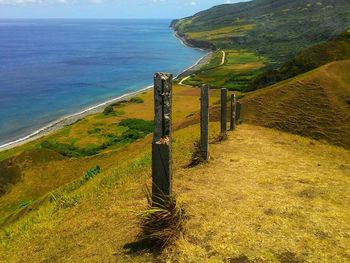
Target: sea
point(51, 69)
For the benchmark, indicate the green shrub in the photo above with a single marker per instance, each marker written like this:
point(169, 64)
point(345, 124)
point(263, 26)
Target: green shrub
point(68, 150)
point(136, 129)
point(131, 135)
point(108, 110)
point(119, 103)
point(137, 100)
point(91, 174)
point(138, 124)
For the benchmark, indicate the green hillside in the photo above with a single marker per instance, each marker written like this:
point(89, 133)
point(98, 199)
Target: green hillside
point(308, 59)
point(273, 29)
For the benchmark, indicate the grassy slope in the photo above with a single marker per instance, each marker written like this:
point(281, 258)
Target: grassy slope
point(37, 171)
point(315, 104)
point(263, 213)
point(273, 29)
point(308, 59)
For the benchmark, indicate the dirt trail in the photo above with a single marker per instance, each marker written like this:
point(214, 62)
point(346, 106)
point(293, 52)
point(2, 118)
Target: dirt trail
point(223, 58)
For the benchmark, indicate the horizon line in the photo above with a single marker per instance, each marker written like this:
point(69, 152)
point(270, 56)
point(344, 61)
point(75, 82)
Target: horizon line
point(85, 18)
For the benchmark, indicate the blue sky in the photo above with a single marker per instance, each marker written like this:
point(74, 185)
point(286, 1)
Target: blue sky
point(105, 8)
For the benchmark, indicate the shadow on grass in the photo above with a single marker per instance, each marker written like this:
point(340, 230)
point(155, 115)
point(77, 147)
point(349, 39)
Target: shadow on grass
point(196, 158)
point(142, 246)
point(220, 138)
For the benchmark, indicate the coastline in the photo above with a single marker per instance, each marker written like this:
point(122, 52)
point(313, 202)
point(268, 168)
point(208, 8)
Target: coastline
point(70, 119)
point(201, 62)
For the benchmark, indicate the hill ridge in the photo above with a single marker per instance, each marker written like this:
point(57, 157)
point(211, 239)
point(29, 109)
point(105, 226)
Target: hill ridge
point(279, 29)
point(315, 104)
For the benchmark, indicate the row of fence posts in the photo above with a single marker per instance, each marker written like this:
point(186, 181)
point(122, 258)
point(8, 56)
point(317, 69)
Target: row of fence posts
point(162, 139)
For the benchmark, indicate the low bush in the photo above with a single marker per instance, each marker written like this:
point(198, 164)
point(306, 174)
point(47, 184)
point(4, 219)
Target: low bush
point(132, 135)
point(136, 129)
point(91, 174)
point(137, 100)
point(108, 110)
point(141, 125)
point(68, 150)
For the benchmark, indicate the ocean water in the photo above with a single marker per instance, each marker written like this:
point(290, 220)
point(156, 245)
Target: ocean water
point(54, 68)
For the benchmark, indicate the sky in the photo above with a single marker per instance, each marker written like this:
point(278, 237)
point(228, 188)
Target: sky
point(105, 8)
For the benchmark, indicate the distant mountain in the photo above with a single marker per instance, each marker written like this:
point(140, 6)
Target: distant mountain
point(276, 29)
point(308, 59)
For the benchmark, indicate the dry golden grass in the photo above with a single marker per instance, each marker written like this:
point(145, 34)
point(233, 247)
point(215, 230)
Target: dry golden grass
point(221, 33)
point(265, 195)
point(316, 104)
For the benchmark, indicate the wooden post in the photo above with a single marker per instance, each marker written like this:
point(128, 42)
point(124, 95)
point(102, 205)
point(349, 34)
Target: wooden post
point(204, 137)
point(223, 110)
point(233, 112)
point(161, 146)
point(238, 111)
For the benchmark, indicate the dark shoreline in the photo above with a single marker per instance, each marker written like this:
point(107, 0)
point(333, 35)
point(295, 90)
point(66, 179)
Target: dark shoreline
point(193, 43)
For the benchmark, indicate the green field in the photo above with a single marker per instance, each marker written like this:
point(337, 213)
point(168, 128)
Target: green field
point(238, 69)
point(221, 34)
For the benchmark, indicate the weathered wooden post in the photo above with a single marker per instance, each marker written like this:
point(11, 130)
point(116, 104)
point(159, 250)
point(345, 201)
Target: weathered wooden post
point(161, 146)
point(238, 111)
point(223, 110)
point(204, 136)
point(233, 112)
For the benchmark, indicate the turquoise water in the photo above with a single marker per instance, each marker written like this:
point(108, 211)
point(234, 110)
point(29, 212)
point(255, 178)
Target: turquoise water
point(54, 68)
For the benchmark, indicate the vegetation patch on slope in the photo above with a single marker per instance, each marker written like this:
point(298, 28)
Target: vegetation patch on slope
point(231, 69)
point(309, 59)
